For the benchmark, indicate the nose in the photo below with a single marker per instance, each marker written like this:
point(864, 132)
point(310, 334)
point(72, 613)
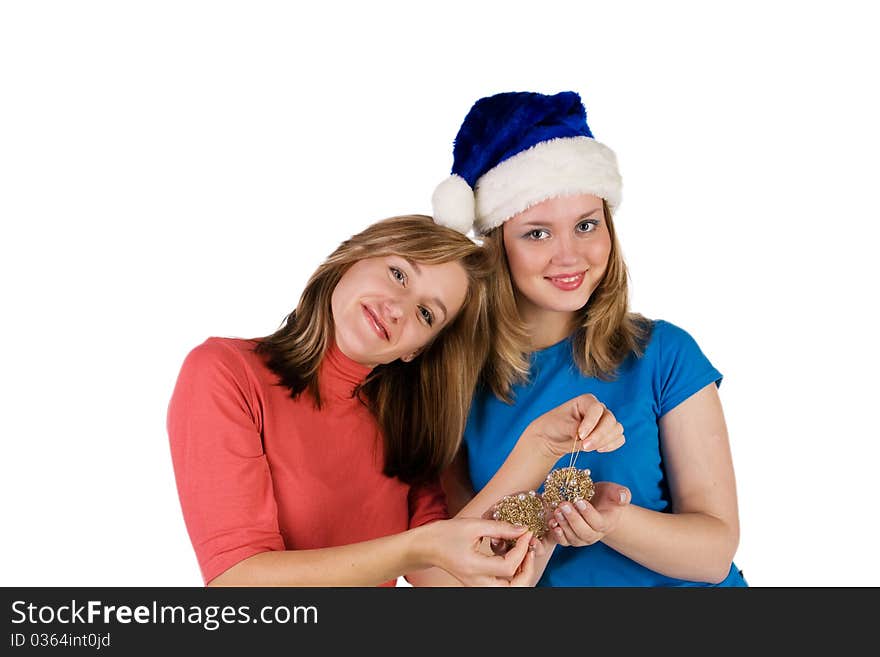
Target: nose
point(565, 253)
point(392, 309)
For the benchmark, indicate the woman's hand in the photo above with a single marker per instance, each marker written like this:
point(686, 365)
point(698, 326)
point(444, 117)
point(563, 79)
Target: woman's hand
point(584, 419)
point(585, 523)
point(454, 546)
point(534, 563)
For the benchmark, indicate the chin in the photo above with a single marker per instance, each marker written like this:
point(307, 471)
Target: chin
point(571, 305)
point(352, 345)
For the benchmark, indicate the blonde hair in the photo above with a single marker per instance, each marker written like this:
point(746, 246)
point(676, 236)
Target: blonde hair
point(421, 406)
point(605, 334)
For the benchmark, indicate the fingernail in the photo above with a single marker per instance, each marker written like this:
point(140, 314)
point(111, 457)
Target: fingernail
point(520, 528)
point(566, 508)
point(581, 505)
point(553, 523)
point(623, 497)
point(588, 445)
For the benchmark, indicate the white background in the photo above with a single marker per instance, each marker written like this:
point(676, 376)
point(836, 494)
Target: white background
point(175, 170)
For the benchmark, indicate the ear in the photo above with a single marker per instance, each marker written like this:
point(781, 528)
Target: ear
point(409, 357)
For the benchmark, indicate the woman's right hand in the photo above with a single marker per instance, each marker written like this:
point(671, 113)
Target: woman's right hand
point(583, 422)
point(454, 545)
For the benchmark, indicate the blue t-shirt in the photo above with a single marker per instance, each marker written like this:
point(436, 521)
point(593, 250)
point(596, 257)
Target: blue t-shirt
point(672, 369)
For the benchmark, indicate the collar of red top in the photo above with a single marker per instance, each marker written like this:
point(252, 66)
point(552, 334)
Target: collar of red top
point(339, 375)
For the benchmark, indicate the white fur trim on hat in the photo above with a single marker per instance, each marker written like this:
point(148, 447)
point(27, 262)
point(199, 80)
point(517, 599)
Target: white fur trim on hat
point(453, 203)
point(558, 167)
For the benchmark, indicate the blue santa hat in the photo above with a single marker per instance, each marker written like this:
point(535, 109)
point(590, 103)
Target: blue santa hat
point(516, 149)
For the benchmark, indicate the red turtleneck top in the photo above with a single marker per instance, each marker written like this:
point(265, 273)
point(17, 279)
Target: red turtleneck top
point(259, 471)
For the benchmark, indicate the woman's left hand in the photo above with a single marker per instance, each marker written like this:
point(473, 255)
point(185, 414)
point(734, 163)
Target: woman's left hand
point(584, 523)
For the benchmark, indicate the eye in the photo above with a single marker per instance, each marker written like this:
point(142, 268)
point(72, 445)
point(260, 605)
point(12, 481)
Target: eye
point(398, 275)
point(537, 234)
point(587, 226)
point(427, 315)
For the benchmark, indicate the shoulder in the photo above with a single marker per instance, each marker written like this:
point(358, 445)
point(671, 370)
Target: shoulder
point(216, 350)
point(666, 328)
point(670, 344)
point(666, 335)
point(228, 356)
point(672, 349)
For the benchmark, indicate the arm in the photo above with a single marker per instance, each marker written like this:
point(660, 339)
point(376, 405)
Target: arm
point(452, 544)
point(541, 445)
point(698, 539)
point(369, 563)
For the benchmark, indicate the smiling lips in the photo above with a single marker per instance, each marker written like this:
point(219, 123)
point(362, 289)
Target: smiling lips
point(376, 324)
point(567, 282)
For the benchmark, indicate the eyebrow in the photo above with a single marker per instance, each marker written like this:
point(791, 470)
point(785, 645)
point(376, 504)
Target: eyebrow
point(591, 212)
point(580, 218)
point(436, 300)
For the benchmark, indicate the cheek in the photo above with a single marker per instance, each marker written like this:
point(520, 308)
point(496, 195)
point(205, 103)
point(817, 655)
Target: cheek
point(598, 252)
point(338, 298)
point(523, 262)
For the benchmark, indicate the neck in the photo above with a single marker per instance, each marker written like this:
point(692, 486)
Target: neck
point(546, 327)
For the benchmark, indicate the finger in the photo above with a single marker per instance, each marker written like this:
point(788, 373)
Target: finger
point(554, 528)
point(571, 535)
point(504, 566)
point(606, 431)
point(583, 532)
point(559, 537)
point(525, 576)
point(590, 410)
point(609, 493)
point(500, 529)
point(518, 552)
point(594, 524)
point(617, 444)
point(484, 581)
point(546, 547)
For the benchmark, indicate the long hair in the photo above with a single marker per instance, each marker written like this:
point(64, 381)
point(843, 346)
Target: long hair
point(605, 334)
point(421, 407)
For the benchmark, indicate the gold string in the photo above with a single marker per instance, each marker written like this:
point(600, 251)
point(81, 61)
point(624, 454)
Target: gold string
point(572, 460)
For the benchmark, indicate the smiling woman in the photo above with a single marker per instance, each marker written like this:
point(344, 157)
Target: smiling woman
point(534, 182)
point(397, 302)
point(312, 456)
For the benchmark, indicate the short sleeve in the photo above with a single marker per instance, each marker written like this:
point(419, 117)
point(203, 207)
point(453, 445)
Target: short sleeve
point(222, 474)
point(427, 502)
point(682, 368)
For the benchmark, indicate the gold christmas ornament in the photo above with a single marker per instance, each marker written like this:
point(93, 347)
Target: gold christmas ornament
point(533, 510)
point(523, 509)
point(568, 485)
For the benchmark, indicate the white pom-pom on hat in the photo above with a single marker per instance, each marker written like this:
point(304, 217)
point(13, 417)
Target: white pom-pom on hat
point(454, 205)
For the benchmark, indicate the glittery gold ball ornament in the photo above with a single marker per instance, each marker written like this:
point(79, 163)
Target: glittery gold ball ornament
point(523, 509)
point(567, 485)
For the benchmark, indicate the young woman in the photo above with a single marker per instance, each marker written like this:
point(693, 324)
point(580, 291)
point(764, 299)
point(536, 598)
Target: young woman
point(530, 178)
point(311, 456)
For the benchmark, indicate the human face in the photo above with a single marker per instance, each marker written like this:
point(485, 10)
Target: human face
point(388, 307)
point(558, 252)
